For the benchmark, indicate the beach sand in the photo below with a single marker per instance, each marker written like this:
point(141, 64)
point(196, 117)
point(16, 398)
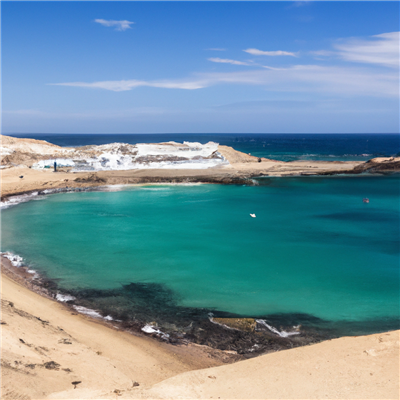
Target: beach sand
point(33, 179)
point(46, 347)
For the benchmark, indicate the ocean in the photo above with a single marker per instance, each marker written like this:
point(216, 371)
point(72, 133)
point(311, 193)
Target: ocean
point(284, 147)
point(314, 256)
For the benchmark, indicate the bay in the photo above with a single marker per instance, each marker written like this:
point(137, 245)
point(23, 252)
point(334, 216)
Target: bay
point(314, 247)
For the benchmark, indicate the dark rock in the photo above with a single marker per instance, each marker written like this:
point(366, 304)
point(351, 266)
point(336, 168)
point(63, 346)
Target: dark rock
point(64, 341)
point(51, 365)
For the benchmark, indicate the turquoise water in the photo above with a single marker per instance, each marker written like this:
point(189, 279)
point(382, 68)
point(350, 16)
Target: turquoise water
point(314, 246)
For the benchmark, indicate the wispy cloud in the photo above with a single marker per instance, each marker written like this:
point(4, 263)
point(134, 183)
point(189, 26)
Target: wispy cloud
point(370, 79)
point(256, 52)
point(119, 25)
point(380, 49)
point(227, 61)
point(298, 78)
point(124, 85)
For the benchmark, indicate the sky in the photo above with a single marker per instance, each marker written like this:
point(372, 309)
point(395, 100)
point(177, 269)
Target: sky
point(200, 67)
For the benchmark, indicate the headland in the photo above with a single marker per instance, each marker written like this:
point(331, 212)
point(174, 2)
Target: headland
point(124, 164)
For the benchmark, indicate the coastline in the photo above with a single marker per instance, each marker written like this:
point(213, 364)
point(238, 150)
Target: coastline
point(22, 170)
point(241, 337)
point(169, 381)
point(38, 321)
point(46, 348)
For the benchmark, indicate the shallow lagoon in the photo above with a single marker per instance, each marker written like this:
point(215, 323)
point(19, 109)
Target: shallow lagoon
point(314, 247)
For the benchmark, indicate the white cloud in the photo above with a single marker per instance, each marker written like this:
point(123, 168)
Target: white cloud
point(380, 49)
point(272, 68)
point(119, 25)
point(298, 78)
point(368, 80)
point(256, 52)
point(227, 61)
point(328, 80)
point(124, 85)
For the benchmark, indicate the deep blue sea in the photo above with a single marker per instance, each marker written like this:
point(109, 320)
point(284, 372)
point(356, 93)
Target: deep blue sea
point(285, 147)
point(315, 253)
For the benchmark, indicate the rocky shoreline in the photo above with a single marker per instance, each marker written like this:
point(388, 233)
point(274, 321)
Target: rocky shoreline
point(150, 310)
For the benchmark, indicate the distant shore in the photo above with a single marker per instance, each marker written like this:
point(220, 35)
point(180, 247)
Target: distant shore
point(19, 177)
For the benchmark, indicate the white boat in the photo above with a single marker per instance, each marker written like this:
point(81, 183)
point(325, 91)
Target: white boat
point(252, 215)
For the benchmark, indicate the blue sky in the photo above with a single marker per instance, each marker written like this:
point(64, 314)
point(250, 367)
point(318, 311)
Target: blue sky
point(193, 67)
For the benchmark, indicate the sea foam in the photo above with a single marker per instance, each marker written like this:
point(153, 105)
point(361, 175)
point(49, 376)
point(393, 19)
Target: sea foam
point(64, 297)
point(14, 200)
point(152, 329)
point(274, 330)
point(88, 311)
point(16, 260)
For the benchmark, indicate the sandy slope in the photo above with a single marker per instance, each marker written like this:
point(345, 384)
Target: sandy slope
point(45, 348)
point(362, 367)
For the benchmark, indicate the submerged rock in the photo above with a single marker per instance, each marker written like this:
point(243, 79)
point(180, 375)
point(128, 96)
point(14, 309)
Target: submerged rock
point(241, 324)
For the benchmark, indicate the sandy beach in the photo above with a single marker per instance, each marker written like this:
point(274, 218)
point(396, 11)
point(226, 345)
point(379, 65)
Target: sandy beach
point(45, 348)
point(50, 352)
